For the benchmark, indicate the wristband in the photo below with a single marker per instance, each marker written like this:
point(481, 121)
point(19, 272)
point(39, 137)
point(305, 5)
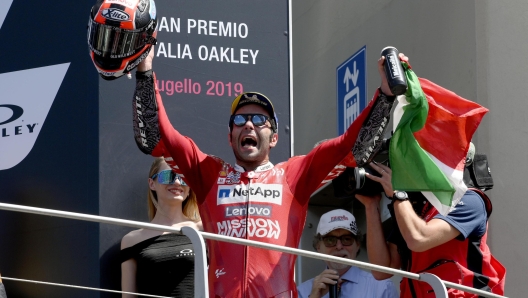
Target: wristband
point(143, 74)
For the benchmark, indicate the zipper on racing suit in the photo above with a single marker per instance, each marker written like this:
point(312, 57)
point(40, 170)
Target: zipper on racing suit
point(250, 176)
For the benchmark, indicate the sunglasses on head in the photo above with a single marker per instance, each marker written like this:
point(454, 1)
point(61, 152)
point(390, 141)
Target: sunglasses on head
point(331, 241)
point(241, 119)
point(168, 177)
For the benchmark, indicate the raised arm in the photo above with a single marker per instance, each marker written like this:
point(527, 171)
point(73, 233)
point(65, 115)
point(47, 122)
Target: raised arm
point(418, 234)
point(155, 135)
point(309, 170)
point(380, 252)
point(315, 166)
point(145, 111)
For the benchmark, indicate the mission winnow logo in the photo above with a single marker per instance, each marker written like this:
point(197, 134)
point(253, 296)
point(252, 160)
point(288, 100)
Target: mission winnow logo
point(23, 110)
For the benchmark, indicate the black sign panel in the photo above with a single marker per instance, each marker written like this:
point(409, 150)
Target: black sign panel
point(66, 138)
point(48, 147)
point(208, 52)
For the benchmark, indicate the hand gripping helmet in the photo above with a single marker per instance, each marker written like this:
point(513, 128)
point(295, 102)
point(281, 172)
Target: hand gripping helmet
point(120, 35)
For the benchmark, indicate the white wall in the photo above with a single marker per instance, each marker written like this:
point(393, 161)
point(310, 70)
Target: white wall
point(502, 46)
point(474, 48)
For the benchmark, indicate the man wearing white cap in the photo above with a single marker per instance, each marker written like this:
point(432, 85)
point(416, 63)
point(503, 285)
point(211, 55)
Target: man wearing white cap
point(337, 234)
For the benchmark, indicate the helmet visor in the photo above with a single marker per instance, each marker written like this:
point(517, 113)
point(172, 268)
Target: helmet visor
point(111, 42)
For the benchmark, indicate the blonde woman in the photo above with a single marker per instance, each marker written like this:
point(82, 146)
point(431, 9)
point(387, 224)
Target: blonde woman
point(160, 263)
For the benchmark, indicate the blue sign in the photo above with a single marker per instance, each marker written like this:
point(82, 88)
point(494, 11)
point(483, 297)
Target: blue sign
point(351, 89)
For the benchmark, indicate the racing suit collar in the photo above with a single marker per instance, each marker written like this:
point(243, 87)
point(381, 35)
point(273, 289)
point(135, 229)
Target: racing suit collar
point(262, 168)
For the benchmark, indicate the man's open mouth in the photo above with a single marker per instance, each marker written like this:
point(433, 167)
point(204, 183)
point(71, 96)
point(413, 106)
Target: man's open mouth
point(249, 141)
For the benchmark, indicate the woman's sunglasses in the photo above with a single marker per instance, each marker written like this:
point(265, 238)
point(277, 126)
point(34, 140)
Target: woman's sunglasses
point(331, 241)
point(241, 119)
point(168, 177)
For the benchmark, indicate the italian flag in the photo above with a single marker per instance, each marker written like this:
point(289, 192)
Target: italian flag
point(433, 130)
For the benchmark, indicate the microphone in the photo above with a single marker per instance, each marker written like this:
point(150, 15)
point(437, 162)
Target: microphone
point(333, 291)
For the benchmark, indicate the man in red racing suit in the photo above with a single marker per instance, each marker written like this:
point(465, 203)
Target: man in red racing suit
point(253, 199)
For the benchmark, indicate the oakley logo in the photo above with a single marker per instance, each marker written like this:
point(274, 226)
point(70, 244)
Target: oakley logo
point(23, 110)
point(16, 110)
point(115, 14)
point(185, 253)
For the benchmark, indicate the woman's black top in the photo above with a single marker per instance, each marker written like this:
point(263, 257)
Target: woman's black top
point(165, 265)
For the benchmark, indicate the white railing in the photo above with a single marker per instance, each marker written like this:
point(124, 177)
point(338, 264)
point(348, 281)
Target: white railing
point(200, 273)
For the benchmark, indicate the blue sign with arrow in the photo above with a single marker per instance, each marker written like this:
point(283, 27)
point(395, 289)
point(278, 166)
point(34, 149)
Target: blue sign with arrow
point(351, 89)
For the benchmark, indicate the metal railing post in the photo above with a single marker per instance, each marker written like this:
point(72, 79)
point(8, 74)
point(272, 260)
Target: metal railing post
point(436, 283)
point(201, 283)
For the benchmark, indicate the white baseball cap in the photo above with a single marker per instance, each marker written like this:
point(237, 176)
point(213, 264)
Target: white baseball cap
point(337, 219)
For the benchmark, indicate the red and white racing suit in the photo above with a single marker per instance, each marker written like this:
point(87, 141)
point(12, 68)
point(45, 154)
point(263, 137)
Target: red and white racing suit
point(268, 204)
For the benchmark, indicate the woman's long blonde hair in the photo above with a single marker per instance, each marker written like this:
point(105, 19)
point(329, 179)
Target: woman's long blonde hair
point(189, 206)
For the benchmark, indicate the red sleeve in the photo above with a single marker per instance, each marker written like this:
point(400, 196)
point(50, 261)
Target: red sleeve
point(305, 173)
point(199, 169)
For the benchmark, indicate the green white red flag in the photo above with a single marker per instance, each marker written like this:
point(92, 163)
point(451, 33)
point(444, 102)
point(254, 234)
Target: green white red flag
point(433, 128)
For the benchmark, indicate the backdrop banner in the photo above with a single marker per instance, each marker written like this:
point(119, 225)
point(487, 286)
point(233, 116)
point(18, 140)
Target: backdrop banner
point(66, 137)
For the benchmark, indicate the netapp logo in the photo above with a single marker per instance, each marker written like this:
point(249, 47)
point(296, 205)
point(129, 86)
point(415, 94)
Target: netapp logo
point(256, 210)
point(256, 192)
point(23, 110)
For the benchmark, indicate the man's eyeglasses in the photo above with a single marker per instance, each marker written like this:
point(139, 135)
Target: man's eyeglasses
point(168, 177)
point(331, 241)
point(241, 119)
